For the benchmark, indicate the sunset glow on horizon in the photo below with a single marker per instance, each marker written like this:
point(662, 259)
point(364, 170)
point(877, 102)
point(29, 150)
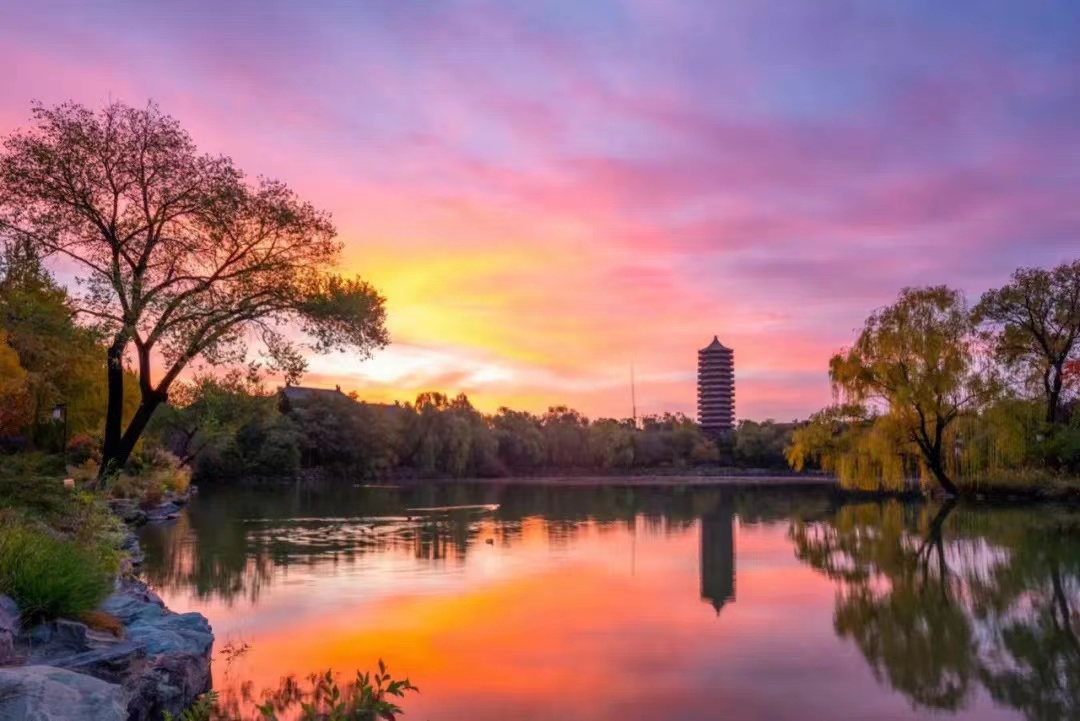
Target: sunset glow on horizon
point(550, 193)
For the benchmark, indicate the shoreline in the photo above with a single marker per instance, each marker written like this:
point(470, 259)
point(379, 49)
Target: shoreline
point(654, 480)
point(151, 660)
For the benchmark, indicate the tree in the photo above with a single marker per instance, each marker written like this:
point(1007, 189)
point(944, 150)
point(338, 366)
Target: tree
point(182, 257)
point(63, 362)
point(1036, 325)
point(206, 412)
point(14, 396)
point(918, 359)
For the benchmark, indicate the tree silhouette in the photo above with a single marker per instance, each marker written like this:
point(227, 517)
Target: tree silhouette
point(180, 255)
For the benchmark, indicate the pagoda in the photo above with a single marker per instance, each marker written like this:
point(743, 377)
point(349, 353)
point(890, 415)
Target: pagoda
point(716, 388)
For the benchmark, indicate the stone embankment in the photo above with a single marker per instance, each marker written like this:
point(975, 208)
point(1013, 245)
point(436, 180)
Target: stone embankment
point(153, 661)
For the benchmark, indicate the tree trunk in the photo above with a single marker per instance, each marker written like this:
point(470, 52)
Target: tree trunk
point(135, 429)
point(938, 469)
point(1053, 397)
point(114, 411)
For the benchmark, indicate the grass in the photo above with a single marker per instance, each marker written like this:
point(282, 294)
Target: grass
point(48, 576)
point(101, 621)
point(32, 484)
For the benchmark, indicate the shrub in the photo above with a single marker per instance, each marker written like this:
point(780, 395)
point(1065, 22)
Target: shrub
point(151, 498)
point(202, 710)
point(82, 448)
point(49, 576)
point(370, 697)
point(148, 475)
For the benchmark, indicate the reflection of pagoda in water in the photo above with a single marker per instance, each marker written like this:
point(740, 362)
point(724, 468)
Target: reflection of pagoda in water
point(718, 555)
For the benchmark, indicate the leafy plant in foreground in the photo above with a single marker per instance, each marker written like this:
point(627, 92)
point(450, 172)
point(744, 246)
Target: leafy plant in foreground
point(369, 697)
point(201, 710)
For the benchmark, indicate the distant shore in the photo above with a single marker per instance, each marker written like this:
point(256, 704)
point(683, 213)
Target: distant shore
point(744, 480)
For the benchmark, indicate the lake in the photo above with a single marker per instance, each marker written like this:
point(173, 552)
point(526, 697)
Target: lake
point(636, 603)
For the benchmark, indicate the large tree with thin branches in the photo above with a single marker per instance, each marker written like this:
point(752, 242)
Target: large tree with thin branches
point(1035, 325)
point(179, 256)
point(919, 360)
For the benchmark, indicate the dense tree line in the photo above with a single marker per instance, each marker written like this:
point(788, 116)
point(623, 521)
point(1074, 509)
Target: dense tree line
point(229, 427)
point(955, 395)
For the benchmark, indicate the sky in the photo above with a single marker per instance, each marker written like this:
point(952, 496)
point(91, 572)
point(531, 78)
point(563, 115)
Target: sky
point(549, 192)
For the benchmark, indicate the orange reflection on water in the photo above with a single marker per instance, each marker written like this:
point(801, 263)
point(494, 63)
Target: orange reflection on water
point(603, 622)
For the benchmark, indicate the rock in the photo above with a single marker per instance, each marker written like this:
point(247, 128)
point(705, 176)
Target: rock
point(134, 602)
point(44, 693)
point(161, 664)
point(109, 663)
point(130, 545)
point(128, 511)
point(172, 664)
point(183, 632)
point(178, 499)
point(9, 630)
point(163, 512)
point(167, 682)
point(56, 639)
point(156, 629)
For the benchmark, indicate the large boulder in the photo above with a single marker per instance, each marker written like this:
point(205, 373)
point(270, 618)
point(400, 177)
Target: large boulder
point(45, 693)
point(110, 662)
point(55, 639)
point(165, 682)
point(172, 666)
point(9, 630)
point(154, 628)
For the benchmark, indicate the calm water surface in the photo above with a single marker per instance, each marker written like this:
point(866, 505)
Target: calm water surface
point(582, 604)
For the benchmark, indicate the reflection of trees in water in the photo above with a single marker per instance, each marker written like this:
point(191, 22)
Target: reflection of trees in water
point(940, 601)
point(232, 543)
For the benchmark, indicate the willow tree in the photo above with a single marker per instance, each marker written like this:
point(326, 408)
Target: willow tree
point(179, 255)
point(917, 360)
point(1036, 326)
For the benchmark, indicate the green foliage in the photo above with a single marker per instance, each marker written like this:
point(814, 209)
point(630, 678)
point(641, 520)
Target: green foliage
point(917, 359)
point(202, 710)
point(227, 427)
point(369, 697)
point(49, 576)
point(1034, 324)
point(980, 399)
point(935, 620)
point(437, 436)
point(761, 445)
point(15, 401)
point(59, 361)
point(335, 431)
point(322, 697)
point(180, 256)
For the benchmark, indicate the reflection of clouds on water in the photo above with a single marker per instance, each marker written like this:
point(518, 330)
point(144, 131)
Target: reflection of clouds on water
point(581, 593)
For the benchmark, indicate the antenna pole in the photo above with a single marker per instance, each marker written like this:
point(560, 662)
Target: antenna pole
point(633, 396)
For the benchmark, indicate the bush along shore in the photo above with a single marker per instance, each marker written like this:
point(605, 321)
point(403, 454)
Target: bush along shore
point(80, 636)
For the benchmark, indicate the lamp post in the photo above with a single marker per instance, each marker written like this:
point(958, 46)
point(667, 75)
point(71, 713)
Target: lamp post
point(59, 413)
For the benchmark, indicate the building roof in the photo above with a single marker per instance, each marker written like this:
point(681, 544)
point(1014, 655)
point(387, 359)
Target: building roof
point(716, 345)
point(302, 393)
